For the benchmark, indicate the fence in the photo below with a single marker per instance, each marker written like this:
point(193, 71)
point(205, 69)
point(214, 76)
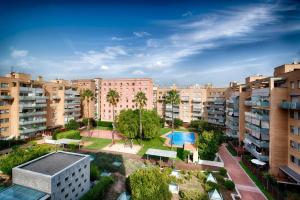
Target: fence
point(271, 187)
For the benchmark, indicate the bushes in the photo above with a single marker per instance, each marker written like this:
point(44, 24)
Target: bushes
point(222, 171)
point(192, 195)
point(86, 120)
point(20, 156)
point(150, 184)
point(72, 125)
point(4, 144)
point(104, 124)
point(177, 123)
point(95, 172)
point(209, 186)
point(182, 154)
point(72, 134)
point(229, 185)
point(98, 191)
point(209, 144)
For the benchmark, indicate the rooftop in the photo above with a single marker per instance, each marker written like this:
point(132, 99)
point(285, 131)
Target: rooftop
point(52, 163)
point(161, 153)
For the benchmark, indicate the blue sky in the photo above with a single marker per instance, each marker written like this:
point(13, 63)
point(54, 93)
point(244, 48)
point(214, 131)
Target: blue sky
point(182, 42)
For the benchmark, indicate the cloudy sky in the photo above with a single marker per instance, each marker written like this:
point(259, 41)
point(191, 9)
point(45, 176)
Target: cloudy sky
point(185, 42)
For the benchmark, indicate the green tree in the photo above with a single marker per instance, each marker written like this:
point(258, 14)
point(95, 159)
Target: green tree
point(151, 124)
point(72, 125)
point(87, 95)
point(141, 100)
point(177, 123)
point(172, 98)
point(208, 145)
point(127, 123)
point(150, 184)
point(113, 99)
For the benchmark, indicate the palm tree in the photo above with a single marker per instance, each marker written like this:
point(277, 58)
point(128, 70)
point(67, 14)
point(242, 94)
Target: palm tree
point(173, 99)
point(141, 100)
point(88, 96)
point(113, 98)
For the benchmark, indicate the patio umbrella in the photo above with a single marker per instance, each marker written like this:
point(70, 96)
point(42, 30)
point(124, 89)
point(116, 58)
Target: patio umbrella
point(215, 195)
point(258, 162)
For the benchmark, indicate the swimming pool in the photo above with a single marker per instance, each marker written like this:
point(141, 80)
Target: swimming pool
point(179, 138)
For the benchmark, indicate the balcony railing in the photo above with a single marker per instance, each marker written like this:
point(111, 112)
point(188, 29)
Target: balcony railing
point(32, 130)
point(6, 97)
point(35, 121)
point(248, 103)
point(232, 134)
point(184, 98)
point(256, 154)
point(28, 114)
point(196, 115)
point(72, 109)
point(32, 105)
point(290, 105)
point(72, 98)
point(196, 100)
point(33, 97)
point(257, 142)
point(196, 109)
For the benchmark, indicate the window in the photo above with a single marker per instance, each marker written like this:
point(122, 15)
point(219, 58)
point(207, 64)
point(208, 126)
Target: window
point(62, 190)
point(66, 196)
point(76, 195)
point(67, 178)
point(292, 84)
point(84, 166)
point(82, 175)
point(292, 130)
point(73, 174)
point(58, 184)
point(73, 190)
point(70, 184)
point(79, 185)
point(85, 180)
point(79, 169)
point(82, 189)
point(76, 179)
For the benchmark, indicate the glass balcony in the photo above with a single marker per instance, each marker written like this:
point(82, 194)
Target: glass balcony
point(184, 98)
point(257, 142)
point(232, 134)
point(71, 92)
point(72, 98)
point(196, 100)
point(255, 153)
point(213, 121)
point(32, 130)
point(33, 97)
point(32, 105)
point(290, 105)
point(72, 109)
point(6, 97)
point(35, 121)
point(197, 109)
point(28, 114)
point(55, 98)
point(248, 103)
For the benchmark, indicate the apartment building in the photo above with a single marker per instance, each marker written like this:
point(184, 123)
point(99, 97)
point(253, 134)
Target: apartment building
point(127, 89)
point(98, 82)
point(88, 109)
point(191, 107)
point(215, 106)
point(22, 105)
point(63, 102)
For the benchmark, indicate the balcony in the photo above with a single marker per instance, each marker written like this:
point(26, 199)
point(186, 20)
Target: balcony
point(257, 142)
point(32, 130)
point(6, 97)
point(32, 106)
point(184, 98)
point(29, 114)
point(30, 89)
point(196, 100)
point(232, 134)
point(290, 105)
point(55, 98)
point(72, 98)
point(196, 115)
point(256, 154)
point(33, 97)
point(71, 92)
point(213, 121)
point(197, 109)
point(248, 103)
point(232, 126)
point(72, 109)
point(35, 121)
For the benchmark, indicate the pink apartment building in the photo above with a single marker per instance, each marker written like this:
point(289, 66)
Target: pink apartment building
point(127, 88)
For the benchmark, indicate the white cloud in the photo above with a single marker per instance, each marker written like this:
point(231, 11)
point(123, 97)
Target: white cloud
point(138, 72)
point(17, 53)
point(141, 34)
point(152, 43)
point(104, 67)
point(117, 38)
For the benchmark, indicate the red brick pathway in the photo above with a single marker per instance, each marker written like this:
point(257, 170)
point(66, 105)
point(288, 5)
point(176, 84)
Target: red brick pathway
point(244, 184)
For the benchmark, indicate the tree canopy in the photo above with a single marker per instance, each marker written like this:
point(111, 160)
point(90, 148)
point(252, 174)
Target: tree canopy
point(128, 123)
point(208, 146)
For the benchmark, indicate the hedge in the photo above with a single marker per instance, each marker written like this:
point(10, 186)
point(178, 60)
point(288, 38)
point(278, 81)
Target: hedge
point(98, 191)
point(20, 156)
point(72, 134)
point(229, 185)
point(192, 195)
point(4, 144)
point(104, 124)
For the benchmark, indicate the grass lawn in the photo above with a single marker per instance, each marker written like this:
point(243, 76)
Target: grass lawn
point(96, 143)
point(256, 181)
point(103, 128)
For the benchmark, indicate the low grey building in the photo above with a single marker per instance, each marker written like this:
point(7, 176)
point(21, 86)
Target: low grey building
point(61, 175)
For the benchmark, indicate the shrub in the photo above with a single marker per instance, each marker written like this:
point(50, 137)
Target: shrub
point(270, 178)
point(209, 144)
point(95, 172)
point(220, 179)
point(4, 144)
point(182, 154)
point(92, 122)
point(149, 184)
point(72, 125)
point(104, 124)
point(98, 191)
point(20, 156)
point(72, 134)
point(192, 195)
point(229, 185)
point(222, 171)
point(293, 195)
point(209, 186)
point(201, 176)
point(177, 123)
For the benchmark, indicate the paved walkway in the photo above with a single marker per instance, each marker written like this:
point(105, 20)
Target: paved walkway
point(244, 184)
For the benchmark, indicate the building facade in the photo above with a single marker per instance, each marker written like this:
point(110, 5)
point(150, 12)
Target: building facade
point(61, 175)
point(127, 89)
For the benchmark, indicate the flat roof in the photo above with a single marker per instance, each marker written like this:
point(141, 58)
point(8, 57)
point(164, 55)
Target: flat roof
point(52, 163)
point(161, 153)
point(18, 192)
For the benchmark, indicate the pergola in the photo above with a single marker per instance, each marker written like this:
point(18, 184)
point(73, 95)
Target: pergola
point(161, 153)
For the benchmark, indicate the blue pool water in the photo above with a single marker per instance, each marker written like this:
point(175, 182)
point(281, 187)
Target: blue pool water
point(179, 138)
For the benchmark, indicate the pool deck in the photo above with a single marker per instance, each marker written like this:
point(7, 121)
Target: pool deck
point(168, 140)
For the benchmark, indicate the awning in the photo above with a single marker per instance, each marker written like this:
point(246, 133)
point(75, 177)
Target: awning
point(258, 162)
point(161, 153)
point(291, 173)
point(211, 178)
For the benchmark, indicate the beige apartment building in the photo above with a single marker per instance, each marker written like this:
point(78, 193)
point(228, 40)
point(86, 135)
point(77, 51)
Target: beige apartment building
point(63, 103)
point(22, 105)
point(268, 122)
point(127, 89)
